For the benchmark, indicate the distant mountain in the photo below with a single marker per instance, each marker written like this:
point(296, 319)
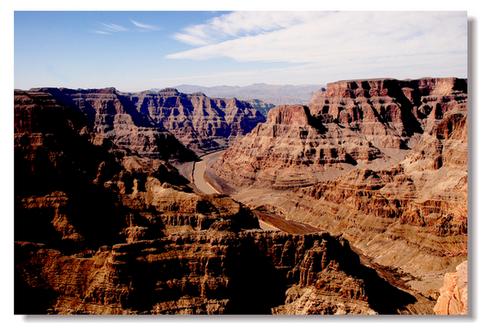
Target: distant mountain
point(272, 94)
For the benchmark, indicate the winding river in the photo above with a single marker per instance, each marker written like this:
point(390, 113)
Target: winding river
point(199, 169)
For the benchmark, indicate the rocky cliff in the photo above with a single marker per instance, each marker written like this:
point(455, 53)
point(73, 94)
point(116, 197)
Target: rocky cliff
point(145, 122)
point(352, 124)
point(382, 161)
point(99, 230)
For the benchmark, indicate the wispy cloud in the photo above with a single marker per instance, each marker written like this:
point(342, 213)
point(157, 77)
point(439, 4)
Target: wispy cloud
point(355, 39)
point(100, 32)
point(145, 26)
point(114, 27)
point(238, 24)
point(107, 29)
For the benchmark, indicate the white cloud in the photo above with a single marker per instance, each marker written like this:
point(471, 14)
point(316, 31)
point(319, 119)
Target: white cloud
point(113, 27)
point(373, 40)
point(239, 24)
point(145, 26)
point(100, 32)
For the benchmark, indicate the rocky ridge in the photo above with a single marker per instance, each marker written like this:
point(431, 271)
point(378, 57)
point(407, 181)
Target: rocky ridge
point(99, 230)
point(161, 124)
point(352, 124)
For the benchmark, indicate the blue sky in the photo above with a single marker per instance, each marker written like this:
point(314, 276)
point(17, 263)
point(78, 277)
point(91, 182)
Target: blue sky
point(139, 50)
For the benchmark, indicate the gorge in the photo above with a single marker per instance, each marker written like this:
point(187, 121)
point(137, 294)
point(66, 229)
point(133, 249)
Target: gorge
point(367, 187)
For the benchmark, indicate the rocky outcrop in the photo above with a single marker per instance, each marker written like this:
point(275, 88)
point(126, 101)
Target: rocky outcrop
point(67, 175)
point(352, 124)
point(207, 272)
point(453, 298)
point(412, 215)
point(145, 122)
point(388, 111)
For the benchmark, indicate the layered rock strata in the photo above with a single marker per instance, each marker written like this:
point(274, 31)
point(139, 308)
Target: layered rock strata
point(110, 114)
point(406, 210)
point(352, 124)
point(144, 122)
point(417, 209)
point(201, 123)
point(99, 230)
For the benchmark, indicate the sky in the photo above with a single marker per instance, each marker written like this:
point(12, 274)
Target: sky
point(139, 50)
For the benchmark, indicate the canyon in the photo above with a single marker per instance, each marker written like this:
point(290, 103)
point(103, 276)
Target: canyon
point(381, 162)
point(365, 187)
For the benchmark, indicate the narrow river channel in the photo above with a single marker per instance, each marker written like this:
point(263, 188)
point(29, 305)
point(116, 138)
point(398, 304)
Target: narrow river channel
point(199, 169)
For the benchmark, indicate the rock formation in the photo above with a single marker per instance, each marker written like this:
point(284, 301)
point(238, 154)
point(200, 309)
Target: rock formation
point(453, 298)
point(99, 230)
point(110, 114)
point(144, 122)
point(352, 124)
point(384, 162)
point(261, 106)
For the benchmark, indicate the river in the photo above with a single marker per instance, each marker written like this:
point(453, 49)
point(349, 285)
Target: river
point(199, 169)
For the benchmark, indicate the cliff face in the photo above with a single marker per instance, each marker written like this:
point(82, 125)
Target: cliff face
point(388, 170)
point(199, 122)
point(109, 114)
point(209, 271)
point(145, 122)
point(101, 231)
point(352, 124)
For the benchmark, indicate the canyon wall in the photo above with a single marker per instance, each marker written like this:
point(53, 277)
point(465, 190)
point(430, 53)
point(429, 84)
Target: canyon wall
point(159, 124)
point(383, 162)
point(101, 230)
point(352, 124)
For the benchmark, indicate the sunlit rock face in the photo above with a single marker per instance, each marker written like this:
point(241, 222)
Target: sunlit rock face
point(350, 124)
point(201, 123)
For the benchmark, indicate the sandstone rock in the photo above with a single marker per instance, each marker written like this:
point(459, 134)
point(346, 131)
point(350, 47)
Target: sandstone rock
point(100, 229)
point(208, 273)
point(363, 124)
point(293, 149)
point(453, 298)
point(115, 233)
